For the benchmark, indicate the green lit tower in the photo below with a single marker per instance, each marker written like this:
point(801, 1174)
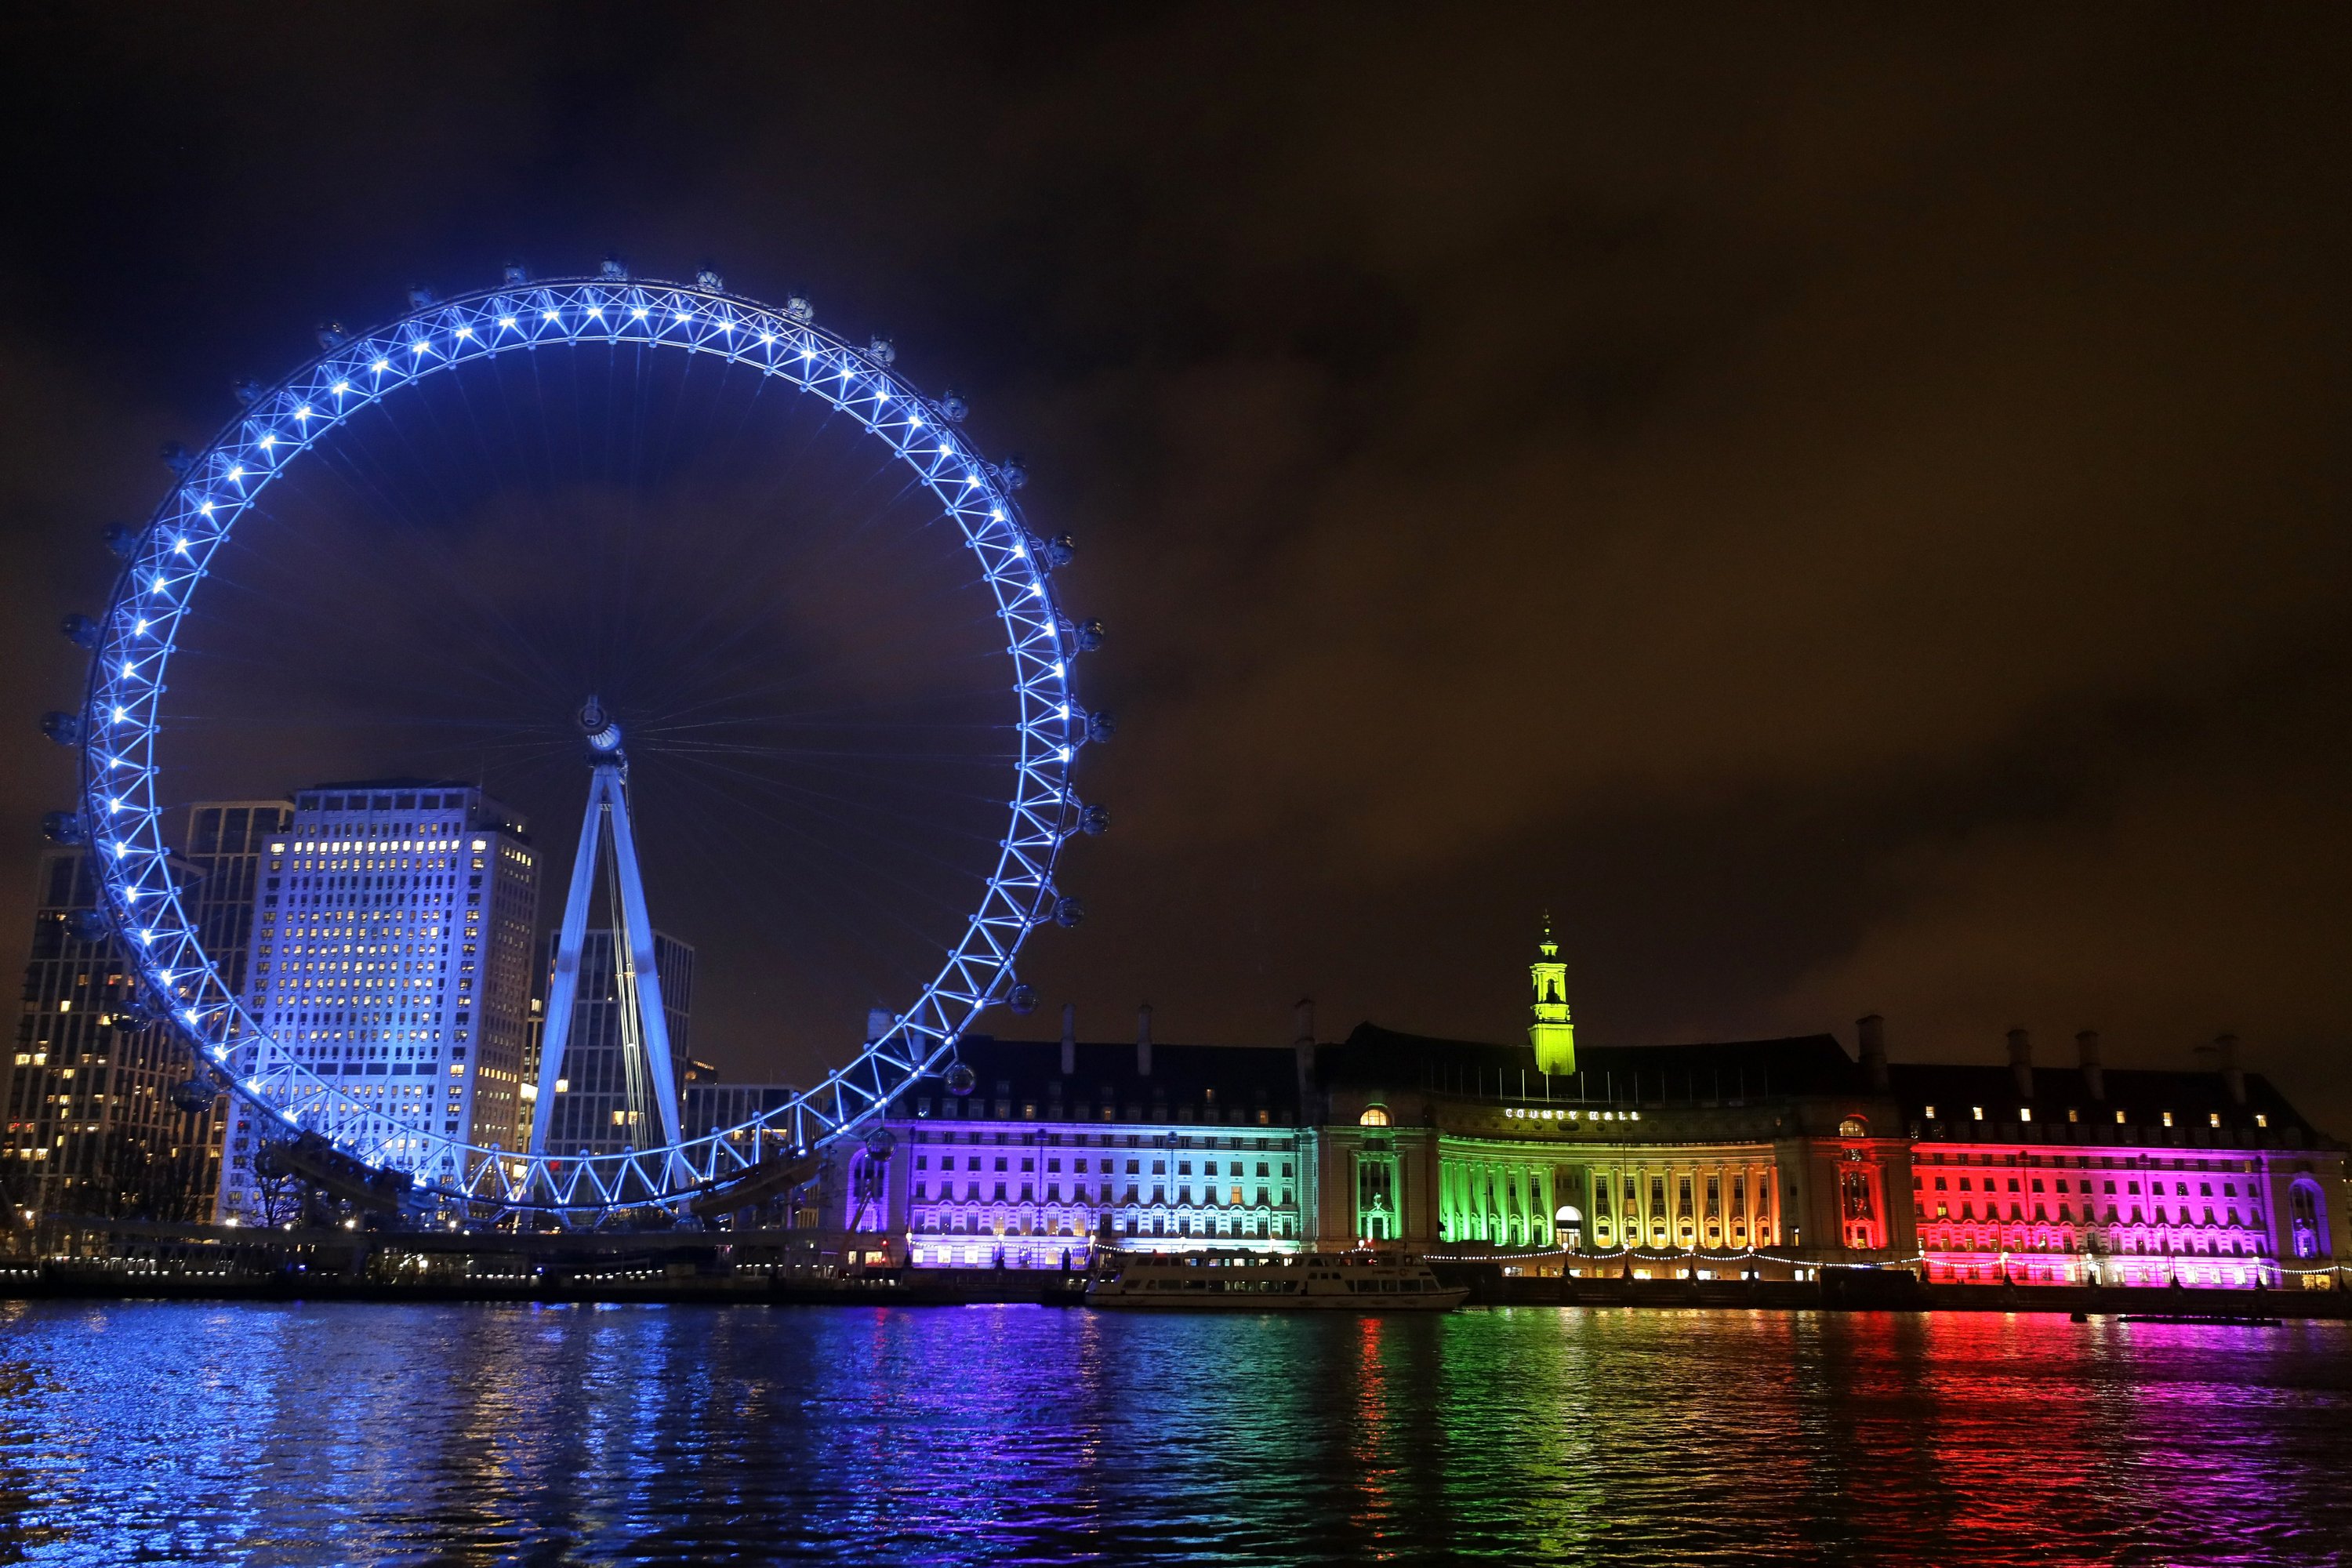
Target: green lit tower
point(1552, 1035)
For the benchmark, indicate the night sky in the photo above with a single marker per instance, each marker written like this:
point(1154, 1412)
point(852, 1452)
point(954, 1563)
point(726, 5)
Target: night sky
point(1845, 510)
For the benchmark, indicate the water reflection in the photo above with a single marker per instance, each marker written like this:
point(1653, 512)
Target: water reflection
point(465, 1435)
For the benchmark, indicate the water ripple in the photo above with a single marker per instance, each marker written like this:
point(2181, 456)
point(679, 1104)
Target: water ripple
point(341, 1434)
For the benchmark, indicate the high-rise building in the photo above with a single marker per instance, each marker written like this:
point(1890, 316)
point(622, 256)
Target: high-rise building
point(603, 1104)
point(95, 1123)
point(391, 956)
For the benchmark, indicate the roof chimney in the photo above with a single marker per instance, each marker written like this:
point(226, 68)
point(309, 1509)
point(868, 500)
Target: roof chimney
point(2020, 1062)
point(2086, 1051)
point(1069, 1039)
point(2225, 1062)
point(1143, 1040)
point(1302, 1046)
point(1873, 1031)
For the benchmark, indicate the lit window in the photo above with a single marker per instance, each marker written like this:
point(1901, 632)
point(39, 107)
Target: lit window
point(1374, 1116)
point(1931, 1113)
point(2261, 1119)
point(1977, 1111)
point(2167, 1118)
point(2025, 1113)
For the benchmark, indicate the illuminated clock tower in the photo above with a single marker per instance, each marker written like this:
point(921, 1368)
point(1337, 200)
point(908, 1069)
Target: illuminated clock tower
point(1552, 1035)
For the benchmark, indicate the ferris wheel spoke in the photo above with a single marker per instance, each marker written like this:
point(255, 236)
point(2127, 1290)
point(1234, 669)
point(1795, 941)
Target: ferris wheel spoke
point(874, 874)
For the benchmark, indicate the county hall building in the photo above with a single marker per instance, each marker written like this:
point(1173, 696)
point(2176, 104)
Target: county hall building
point(1768, 1158)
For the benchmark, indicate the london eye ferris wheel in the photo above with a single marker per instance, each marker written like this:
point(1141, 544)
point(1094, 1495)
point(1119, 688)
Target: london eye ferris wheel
point(624, 522)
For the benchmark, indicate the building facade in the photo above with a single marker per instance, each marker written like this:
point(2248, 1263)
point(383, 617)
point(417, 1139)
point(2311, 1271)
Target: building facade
point(1767, 1158)
point(1052, 1146)
point(2087, 1176)
point(92, 1128)
point(102, 1116)
point(1770, 1159)
point(391, 956)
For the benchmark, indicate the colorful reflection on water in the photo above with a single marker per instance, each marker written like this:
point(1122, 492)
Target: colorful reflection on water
point(461, 1435)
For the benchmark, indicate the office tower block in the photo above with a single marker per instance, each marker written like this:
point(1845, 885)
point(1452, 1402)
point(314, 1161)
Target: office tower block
point(391, 956)
point(92, 1125)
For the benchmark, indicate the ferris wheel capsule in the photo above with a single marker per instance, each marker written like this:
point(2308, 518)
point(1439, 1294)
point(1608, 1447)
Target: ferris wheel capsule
point(613, 269)
point(514, 275)
point(1060, 549)
point(881, 350)
point(962, 1079)
point(80, 631)
point(798, 309)
point(420, 296)
point(88, 926)
point(707, 279)
point(1068, 913)
point(1023, 999)
point(1100, 726)
point(122, 539)
point(1014, 472)
point(1088, 636)
point(65, 728)
point(953, 408)
point(1095, 819)
point(65, 828)
point(177, 457)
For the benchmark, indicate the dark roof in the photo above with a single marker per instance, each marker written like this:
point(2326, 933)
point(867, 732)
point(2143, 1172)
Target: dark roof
point(1795, 1065)
point(388, 784)
point(2143, 1095)
point(1181, 1074)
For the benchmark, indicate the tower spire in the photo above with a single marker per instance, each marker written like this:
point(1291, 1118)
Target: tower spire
point(1551, 1034)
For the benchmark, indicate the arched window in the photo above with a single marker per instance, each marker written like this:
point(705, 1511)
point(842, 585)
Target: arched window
point(1854, 1127)
point(1567, 1213)
point(1374, 1116)
point(2307, 1220)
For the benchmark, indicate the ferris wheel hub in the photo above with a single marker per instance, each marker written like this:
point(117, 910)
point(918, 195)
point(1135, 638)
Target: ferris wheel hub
point(604, 732)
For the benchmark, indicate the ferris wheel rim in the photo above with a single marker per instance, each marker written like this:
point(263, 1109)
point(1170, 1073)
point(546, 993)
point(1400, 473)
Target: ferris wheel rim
point(123, 822)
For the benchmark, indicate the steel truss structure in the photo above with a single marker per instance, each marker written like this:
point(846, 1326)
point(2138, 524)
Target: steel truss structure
point(122, 724)
point(645, 1024)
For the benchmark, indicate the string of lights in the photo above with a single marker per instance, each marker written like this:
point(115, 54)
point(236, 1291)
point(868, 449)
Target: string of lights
point(131, 644)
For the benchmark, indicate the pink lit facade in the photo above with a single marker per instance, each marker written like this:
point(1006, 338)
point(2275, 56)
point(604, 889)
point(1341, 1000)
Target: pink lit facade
point(2082, 1177)
point(2044, 1213)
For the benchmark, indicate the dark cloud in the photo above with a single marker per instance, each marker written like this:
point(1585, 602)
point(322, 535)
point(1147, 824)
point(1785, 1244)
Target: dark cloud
point(1846, 510)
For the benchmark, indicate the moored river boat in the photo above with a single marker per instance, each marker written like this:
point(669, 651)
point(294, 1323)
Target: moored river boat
point(1256, 1282)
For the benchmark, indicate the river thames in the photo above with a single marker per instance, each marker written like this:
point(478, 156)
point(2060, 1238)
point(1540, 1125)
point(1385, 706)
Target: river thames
point(351, 1434)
